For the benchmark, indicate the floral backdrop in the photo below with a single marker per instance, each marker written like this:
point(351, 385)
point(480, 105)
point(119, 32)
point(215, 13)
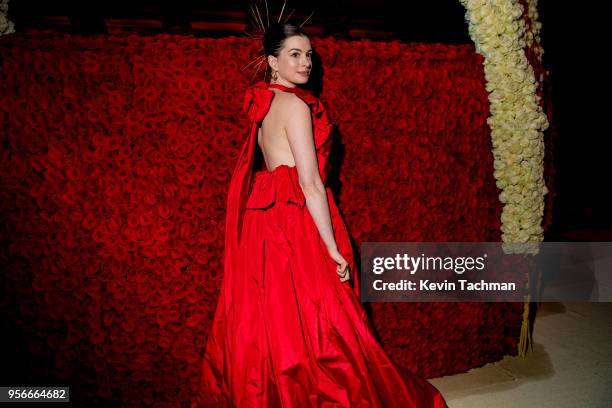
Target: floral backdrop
point(115, 160)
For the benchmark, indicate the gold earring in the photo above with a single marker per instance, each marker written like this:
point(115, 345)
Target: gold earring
point(274, 76)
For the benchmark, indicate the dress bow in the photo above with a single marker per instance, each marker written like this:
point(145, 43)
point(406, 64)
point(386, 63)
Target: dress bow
point(257, 102)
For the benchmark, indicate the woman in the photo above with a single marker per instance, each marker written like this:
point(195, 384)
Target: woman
point(289, 330)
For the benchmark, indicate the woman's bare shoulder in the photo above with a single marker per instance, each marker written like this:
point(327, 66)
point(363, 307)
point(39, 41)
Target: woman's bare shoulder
point(288, 102)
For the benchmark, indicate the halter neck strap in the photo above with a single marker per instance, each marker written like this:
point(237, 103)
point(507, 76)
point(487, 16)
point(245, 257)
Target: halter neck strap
point(294, 89)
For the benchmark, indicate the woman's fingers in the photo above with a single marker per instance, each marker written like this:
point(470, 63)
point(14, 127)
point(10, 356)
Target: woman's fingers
point(343, 272)
point(345, 277)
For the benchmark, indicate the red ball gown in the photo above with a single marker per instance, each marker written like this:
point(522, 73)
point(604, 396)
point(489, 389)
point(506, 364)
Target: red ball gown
point(287, 332)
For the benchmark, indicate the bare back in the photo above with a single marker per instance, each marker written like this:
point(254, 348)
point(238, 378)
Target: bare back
point(272, 136)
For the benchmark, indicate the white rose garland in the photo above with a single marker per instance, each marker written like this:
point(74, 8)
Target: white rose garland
point(517, 122)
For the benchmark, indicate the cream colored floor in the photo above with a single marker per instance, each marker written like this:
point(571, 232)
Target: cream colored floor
point(570, 365)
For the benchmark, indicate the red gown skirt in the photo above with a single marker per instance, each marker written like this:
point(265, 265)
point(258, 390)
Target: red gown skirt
point(287, 332)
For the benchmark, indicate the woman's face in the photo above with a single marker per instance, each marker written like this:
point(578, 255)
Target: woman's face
point(293, 62)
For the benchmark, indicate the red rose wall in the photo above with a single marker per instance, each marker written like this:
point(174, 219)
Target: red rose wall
point(116, 156)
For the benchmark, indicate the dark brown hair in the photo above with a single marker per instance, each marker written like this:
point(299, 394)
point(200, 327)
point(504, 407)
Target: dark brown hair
point(275, 36)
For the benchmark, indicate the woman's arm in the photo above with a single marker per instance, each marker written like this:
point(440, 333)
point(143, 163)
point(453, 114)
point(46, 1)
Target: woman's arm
point(298, 125)
point(301, 141)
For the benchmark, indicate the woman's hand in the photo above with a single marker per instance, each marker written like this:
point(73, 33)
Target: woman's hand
point(343, 269)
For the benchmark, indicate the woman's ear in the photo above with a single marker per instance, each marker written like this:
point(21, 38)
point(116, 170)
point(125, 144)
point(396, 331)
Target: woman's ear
point(273, 62)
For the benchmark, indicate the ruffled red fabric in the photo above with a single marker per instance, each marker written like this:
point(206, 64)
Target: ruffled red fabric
point(286, 331)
